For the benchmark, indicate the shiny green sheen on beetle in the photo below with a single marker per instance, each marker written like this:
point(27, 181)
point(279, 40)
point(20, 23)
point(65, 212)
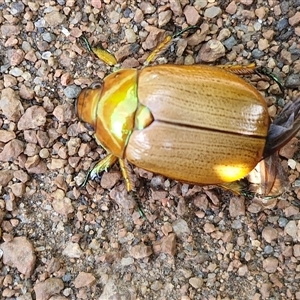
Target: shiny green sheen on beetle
point(197, 124)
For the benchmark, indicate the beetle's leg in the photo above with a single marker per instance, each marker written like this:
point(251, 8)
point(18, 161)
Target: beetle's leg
point(137, 201)
point(251, 69)
point(283, 128)
point(239, 187)
point(164, 45)
point(101, 53)
point(100, 167)
point(266, 72)
point(129, 185)
point(239, 69)
point(126, 174)
point(267, 180)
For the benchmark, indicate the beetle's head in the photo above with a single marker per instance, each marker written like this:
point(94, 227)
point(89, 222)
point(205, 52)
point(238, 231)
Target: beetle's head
point(86, 105)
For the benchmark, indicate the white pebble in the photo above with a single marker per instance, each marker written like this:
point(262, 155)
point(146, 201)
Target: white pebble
point(292, 164)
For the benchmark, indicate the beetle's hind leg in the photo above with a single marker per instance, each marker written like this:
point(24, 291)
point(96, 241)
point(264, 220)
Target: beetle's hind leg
point(266, 72)
point(240, 69)
point(252, 69)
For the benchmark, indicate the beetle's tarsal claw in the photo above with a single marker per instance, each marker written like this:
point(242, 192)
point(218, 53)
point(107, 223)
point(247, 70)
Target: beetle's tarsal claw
point(86, 179)
point(184, 30)
point(116, 67)
point(266, 72)
point(99, 168)
point(96, 172)
point(86, 43)
point(92, 174)
point(138, 204)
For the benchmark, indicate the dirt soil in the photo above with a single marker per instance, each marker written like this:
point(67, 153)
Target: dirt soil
point(60, 241)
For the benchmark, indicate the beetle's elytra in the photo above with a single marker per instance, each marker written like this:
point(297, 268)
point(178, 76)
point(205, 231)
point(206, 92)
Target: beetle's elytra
point(197, 124)
point(202, 124)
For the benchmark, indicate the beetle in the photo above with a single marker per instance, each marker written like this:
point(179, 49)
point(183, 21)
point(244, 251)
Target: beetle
point(198, 124)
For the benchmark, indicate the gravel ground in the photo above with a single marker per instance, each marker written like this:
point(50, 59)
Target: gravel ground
point(59, 241)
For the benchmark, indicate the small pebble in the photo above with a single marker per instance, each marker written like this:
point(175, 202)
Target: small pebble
point(72, 250)
point(17, 8)
point(295, 19)
point(211, 51)
point(176, 7)
point(236, 224)
point(141, 251)
point(191, 14)
point(269, 234)
point(130, 35)
point(84, 279)
point(292, 81)
point(147, 7)
point(196, 282)
point(72, 91)
point(212, 12)
point(48, 37)
point(180, 227)
point(268, 249)
point(282, 24)
point(256, 53)
point(19, 253)
point(229, 43)
point(16, 72)
point(270, 264)
point(231, 8)
point(164, 17)
point(291, 229)
point(54, 18)
point(49, 287)
point(127, 261)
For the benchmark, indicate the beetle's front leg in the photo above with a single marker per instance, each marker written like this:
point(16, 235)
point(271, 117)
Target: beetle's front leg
point(101, 53)
point(100, 167)
point(165, 44)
